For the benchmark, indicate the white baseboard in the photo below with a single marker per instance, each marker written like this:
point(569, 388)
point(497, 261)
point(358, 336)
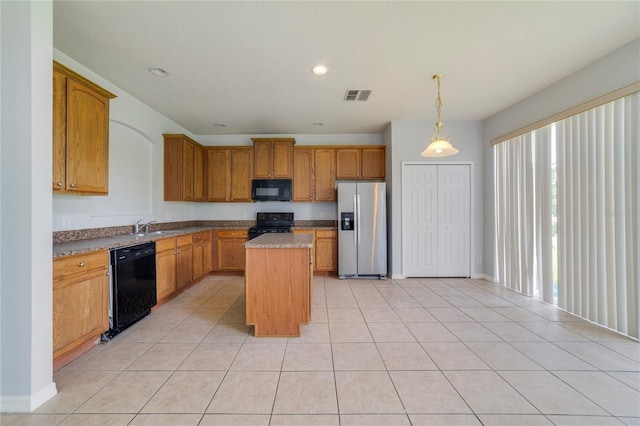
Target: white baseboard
point(484, 277)
point(26, 403)
point(397, 276)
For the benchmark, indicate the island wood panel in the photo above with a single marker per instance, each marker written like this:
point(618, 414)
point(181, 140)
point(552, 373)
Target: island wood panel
point(278, 290)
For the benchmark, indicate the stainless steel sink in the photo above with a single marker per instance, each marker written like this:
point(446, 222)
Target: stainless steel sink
point(162, 232)
point(151, 234)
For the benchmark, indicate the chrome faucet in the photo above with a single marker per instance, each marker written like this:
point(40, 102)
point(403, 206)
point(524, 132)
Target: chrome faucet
point(138, 227)
point(146, 226)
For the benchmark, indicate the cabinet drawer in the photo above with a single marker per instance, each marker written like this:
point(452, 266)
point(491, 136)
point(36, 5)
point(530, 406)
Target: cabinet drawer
point(165, 244)
point(233, 233)
point(197, 237)
point(78, 264)
point(325, 233)
point(184, 240)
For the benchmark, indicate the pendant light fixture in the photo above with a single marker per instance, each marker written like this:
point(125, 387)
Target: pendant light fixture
point(440, 145)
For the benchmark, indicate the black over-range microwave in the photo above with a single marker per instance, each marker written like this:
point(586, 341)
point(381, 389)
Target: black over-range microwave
point(271, 190)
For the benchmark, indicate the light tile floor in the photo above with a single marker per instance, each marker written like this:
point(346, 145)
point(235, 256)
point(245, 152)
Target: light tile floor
point(392, 352)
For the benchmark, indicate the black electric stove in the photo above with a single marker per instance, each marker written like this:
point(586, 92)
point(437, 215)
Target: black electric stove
point(271, 222)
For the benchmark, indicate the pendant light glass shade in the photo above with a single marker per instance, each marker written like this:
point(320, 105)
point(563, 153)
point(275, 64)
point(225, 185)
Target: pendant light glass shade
point(439, 148)
point(440, 145)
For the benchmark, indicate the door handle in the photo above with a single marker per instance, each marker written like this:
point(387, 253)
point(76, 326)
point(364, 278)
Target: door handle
point(355, 225)
point(358, 220)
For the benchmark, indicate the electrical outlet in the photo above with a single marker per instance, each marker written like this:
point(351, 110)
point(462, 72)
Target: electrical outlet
point(168, 216)
point(66, 222)
point(245, 214)
point(321, 215)
point(478, 258)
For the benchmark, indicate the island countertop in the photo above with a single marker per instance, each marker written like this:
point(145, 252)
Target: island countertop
point(280, 240)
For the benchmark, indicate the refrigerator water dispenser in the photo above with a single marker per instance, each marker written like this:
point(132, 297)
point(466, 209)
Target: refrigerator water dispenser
point(346, 221)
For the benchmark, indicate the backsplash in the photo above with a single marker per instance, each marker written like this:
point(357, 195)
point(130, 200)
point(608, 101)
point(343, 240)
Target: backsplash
point(111, 231)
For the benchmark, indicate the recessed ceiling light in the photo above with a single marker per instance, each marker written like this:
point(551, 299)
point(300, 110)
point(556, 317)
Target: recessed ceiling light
point(158, 72)
point(319, 70)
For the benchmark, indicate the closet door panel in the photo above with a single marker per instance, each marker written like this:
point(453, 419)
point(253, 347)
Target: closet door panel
point(420, 235)
point(453, 220)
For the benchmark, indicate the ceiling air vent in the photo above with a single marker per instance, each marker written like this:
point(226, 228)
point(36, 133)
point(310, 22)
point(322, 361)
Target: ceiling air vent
point(357, 95)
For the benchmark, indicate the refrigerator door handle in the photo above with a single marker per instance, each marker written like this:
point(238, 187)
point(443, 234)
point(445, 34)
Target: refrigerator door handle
point(355, 227)
point(358, 217)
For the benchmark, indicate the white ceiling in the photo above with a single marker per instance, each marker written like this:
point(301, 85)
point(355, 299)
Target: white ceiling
point(248, 64)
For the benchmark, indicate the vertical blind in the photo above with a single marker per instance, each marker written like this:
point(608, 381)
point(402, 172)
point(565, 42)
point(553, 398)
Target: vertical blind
point(567, 214)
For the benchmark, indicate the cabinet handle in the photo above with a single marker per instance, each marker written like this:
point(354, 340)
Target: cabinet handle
point(58, 183)
point(81, 264)
point(73, 185)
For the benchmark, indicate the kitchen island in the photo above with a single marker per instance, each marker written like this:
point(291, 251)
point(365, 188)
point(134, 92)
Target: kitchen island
point(278, 274)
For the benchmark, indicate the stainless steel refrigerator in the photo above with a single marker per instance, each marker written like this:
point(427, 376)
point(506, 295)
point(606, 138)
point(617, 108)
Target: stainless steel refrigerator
point(362, 230)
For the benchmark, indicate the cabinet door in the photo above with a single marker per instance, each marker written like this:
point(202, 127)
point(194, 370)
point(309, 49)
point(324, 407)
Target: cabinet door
point(230, 250)
point(303, 174)
point(166, 273)
point(373, 163)
point(207, 252)
point(80, 310)
point(282, 159)
point(198, 173)
point(348, 163)
point(324, 171)
point(218, 175)
point(263, 159)
point(197, 255)
point(240, 172)
point(59, 130)
point(184, 269)
point(87, 139)
point(326, 251)
point(188, 150)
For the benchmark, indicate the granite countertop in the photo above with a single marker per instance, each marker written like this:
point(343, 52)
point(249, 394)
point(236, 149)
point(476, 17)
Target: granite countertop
point(104, 243)
point(281, 240)
point(69, 243)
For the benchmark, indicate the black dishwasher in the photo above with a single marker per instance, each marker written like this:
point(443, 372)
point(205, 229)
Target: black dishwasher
point(133, 285)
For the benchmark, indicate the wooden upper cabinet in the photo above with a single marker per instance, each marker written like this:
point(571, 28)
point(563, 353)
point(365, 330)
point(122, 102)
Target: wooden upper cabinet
point(80, 134)
point(183, 169)
point(302, 174)
point(313, 174)
point(198, 173)
point(365, 162)
point(218, 174)
point(324, 179)
point(348, 163)
point(229, 173)
point(240, 173)
point(373, 160)
point(273, 158)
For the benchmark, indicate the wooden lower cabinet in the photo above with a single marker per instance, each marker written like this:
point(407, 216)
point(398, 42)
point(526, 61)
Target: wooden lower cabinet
point(229, 249)
point(325, 249)
point(80, 300)
point(165, 267)
point(184, 261)
point(202, 262)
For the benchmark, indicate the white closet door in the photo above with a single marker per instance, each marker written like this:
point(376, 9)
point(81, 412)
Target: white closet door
point(436, 225)
point(419, 220)
point(453, 221)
